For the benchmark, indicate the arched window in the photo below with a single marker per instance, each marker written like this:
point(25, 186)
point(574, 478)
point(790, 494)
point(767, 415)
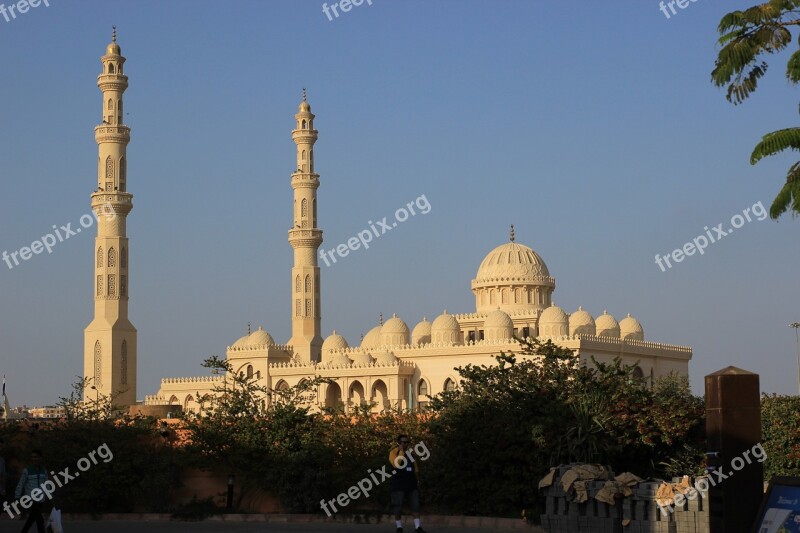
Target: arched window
point(449, 385)
point(123, 375)
point(109, 173)
point(111, 68)
point(112, 285)
point(249, 371)
point(505, 296)
point(314, 210)
point(308, 283)
point(110, 104)
point(123, 258)
point(304, 208)
point(112, 257)
point(491, 297)
point(119, 111)
point(173, 400)
point(422, 388)
point(99, 261)
point(297, 285)
point(308, 307)
point(98, 365)
point(304, 155)
point(304, 124)
point(123, 172)
point(282, 385)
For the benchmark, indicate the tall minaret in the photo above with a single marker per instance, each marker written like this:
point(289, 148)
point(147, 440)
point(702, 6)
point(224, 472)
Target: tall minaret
point(305, 237)
point(109, 359)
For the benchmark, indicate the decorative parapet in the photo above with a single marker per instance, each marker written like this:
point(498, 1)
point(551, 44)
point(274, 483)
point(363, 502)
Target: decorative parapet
point(619, 342)
point(294, 364)
point(519, 313)
point(155, 399)
point(196, 379)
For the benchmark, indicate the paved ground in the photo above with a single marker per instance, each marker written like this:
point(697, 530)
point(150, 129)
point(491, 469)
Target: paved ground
point(118, 526)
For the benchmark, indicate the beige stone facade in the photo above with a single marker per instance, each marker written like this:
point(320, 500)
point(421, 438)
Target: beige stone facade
point(396, 367)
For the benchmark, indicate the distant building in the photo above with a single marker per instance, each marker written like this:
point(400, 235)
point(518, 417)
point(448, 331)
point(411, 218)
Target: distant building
point(48, 411)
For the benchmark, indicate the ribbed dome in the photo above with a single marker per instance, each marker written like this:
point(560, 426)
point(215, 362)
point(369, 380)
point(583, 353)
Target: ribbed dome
point(607, 326)
point(362, 359)
point(256, 339)
point(372, 339)
point(498, 326)
point(421, 333)
point(394, 332)
point(630, 328)
point(446, 329)
point(339, 360)
point(386, 358)
point(498, 319)
point(581, 323)
point(334, 342)
point(512, 262)
point(553, 322)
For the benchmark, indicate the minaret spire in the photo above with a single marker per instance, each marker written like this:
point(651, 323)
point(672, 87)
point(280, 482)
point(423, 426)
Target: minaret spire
point(110, 339)
point(305, 238)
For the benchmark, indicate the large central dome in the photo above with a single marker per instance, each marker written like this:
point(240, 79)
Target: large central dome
point(512, 261)
point(512, 277)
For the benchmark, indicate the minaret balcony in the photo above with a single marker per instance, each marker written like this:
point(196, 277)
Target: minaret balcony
point(304, 136)
point(305, 237)
point(112, 82)
point(108, 133)
point(304, 179)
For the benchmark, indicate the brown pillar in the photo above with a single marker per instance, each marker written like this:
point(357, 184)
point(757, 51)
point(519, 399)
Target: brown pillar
point(733, 429)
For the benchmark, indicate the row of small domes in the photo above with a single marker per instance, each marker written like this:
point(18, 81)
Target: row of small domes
point(445, 329)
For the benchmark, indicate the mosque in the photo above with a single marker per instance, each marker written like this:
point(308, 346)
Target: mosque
point(393, 366)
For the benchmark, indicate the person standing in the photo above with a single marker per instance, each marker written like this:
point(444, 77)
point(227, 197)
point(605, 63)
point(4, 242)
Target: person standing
point(32, 478)
point(405, 485)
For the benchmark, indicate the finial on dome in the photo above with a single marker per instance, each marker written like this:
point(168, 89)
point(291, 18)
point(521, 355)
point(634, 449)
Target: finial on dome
point(304, 94)
point(380, 321)
point(512, 232)
point(113, 34)
point(334, 332)
point(248, 328)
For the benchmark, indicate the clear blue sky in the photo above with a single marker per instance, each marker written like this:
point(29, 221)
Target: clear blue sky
point(594, 129)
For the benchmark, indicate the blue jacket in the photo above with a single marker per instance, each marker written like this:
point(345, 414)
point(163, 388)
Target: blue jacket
point(32, 478)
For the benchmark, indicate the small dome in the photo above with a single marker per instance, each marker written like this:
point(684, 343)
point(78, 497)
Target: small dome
point(259, 338)
point(581, 323)
point(498, 326)
point(498, 319)
point(394, 332)
point(362, 359)
point(421, 333)
point(386, 359)
point(113, 49)
point(304, 107)
point(256, 339)
point(630, 328)
point(553, 322)
point(607, 326)
point(446, 329)
point(334, 342)
point(339, 360)
point(372, 339)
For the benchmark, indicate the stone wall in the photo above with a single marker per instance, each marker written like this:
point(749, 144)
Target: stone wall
point(637, 513)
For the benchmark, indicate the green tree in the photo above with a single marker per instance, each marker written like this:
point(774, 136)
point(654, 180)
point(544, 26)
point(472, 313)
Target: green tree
point(746, 37)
